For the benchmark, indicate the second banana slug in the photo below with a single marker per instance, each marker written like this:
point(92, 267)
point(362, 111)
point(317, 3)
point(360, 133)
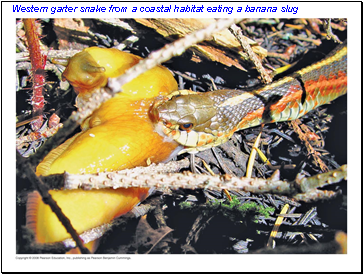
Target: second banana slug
point(116, 136)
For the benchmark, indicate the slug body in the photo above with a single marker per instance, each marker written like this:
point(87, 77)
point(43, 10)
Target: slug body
point(116, 136)
point(90, 69)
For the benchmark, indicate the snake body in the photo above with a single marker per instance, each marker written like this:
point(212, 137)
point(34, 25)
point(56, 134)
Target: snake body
point(201, 120)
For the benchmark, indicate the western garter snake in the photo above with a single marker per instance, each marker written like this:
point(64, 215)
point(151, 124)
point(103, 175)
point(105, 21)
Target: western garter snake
point(201, 120)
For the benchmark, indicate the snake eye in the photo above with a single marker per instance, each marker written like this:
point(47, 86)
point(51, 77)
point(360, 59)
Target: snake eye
point(186, 126)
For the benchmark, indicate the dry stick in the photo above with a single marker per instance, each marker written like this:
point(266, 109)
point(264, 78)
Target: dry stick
point(297, 128)
point(89, 235)
point(323, 179)
point(305, 187)
point(329, 32)
point(186, 180)
point(159, 240)
point(37, 64)
point(195, 228)
point(56, 181)
point(47, 199)
point(98, 231)
point(236, 31)
point(68, 128)
point(61, 54)
point(174, 49)
point(275, 229)
point(252, 157)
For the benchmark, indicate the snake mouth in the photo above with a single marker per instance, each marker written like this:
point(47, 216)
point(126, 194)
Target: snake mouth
point(154, 111)
point(154, 114)
point(157, 108)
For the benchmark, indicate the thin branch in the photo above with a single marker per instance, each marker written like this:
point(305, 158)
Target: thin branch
point(62, 134)
point(42, 188)
point(98, 231)
point(62, 54)
point(329, 32)
point(185, 180)
point(323, 179)
point(236, 31)
point(159, 240)
point(171, 50)
point(302, 188)
point(57, 181)
point(89, 235)
point(298, 126)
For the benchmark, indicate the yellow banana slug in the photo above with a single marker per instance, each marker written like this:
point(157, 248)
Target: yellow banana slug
point(116, 136)
point(90, 69)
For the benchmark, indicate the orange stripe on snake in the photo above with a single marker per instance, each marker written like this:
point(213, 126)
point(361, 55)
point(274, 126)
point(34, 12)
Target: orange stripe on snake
point(201, 120)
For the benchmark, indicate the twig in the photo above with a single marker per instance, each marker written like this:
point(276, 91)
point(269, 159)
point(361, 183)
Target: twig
point(323, 179)
point(25, 167)
point(236, 31)
point(62, 54)
point(158, 241)
point(37, 60)
point(89, 235)
point(174, 49)
point(301, 188)
point(275, 229)
point(97, 232)
point(295, 124)
point(186, 180)
point(252, 157)
point(56, 181)
point(199, 224)
point(329, 32)
point(68, 127)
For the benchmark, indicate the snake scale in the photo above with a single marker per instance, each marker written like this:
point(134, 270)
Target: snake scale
point(199, 121)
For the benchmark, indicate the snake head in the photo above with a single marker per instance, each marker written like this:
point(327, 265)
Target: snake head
point(185, 116)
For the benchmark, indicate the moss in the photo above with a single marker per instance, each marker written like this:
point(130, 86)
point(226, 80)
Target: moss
point(254, 208)
point(231, 209)
point(234, 203)
point(187, 205)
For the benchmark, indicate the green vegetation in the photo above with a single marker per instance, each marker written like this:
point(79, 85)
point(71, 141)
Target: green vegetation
point(232, 209)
